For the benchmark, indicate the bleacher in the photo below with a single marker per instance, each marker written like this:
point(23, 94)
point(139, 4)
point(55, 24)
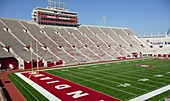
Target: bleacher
point(36, 35)
point(12, 43)
point(95, 43)
point(118, 43)
point(82, 44)
point(57, 45)
point(107, 42)
point(136, 43)
point(70, 45)
point(3, 53)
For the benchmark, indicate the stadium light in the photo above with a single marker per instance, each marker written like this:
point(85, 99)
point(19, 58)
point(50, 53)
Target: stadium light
point(104, 20)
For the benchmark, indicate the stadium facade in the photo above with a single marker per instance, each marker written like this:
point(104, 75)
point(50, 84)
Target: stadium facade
point(55, 16)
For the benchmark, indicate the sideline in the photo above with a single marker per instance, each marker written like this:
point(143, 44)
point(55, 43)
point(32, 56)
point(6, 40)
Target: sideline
point(41, 90)
point(93, 64)
point(65, 67)
point(151, 94)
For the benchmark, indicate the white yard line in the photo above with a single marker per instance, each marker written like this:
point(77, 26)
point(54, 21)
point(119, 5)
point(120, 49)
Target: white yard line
point(123, 74)
point(114, 81)
point(41, 90)
point(107, 76)
point(151, 94)
point(97, 83)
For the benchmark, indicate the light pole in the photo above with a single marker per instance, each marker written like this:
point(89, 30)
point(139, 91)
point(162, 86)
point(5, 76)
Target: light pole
point(104, 20)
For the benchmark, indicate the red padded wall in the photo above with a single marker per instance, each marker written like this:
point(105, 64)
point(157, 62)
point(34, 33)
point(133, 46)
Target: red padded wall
point(5, 62)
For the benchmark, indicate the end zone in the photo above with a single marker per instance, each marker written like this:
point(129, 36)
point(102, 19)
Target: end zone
point(59, 89)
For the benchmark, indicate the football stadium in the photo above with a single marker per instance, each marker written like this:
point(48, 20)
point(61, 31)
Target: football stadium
point(55, 58)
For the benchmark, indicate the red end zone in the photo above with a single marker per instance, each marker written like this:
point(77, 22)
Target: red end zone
point(67, 90)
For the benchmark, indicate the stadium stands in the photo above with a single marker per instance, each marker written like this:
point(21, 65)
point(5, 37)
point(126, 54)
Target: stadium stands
point(67, 45)
point(118, 44)
point(34, 31)
point(124, 39)
point(83, 43)
point(14, 44)
point(26, 39)
point(95, 43)
point(136, 43)
point(3, 53)
point(70, 45)
point(58, 44)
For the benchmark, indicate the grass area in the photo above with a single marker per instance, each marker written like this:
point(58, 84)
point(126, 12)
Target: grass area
point(26, 90)
point(117, 79)
point(111, 77)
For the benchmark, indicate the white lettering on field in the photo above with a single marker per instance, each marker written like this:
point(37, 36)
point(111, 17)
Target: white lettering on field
point(77, 94)
point(46, 78)
point(62, 86)
point(39, 75)
point(52, 82)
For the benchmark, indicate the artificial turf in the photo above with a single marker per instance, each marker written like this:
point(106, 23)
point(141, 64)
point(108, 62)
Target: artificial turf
point(117, 79)
point(26, 90)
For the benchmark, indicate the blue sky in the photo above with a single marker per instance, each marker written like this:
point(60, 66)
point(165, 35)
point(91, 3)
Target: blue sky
point(142, 16)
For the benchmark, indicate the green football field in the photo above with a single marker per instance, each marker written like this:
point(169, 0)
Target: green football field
point(121, 79)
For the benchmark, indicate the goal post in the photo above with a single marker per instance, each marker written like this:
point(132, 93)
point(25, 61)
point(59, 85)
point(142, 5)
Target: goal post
point(37, 57)
point(34, 71)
